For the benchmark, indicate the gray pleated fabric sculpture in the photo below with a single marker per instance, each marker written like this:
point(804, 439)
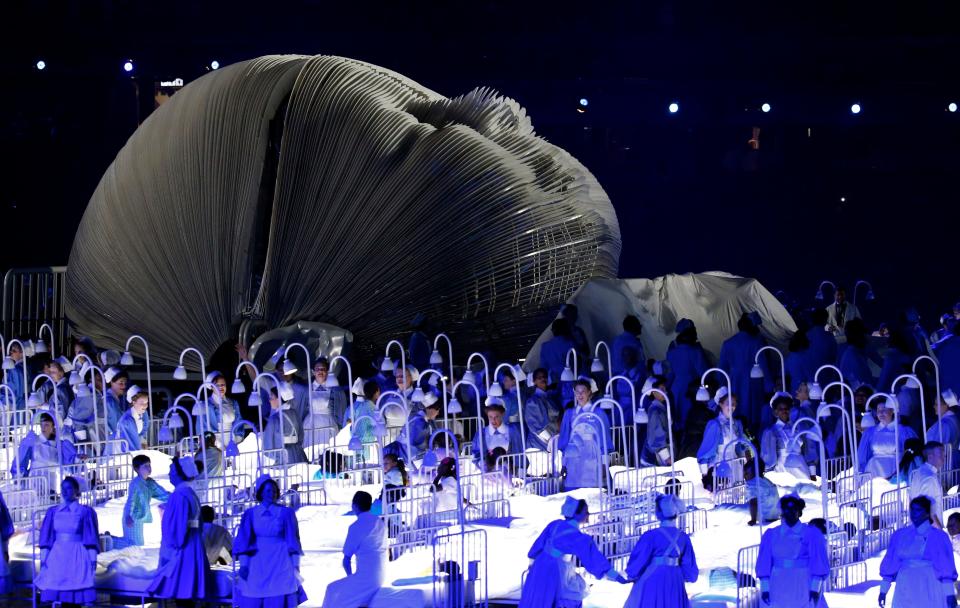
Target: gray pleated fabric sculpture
point(291, 188)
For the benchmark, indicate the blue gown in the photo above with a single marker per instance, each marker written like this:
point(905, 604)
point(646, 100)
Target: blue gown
point(268, 544)
point(716, 437)
point(877, 451)
point(951, 431)
point(855, 367)
point(660, 563)
point(656, 446)
point(920, 560)
point(64, 396)
point(791, 563)
point(553, 356)
point(200, 417)
point(777, 453)
point(80, 416)
point(948, 356)
point(552, 581)
point(183, 567)
point(286, 433)
point(37, 448)
point(536, 418)
point(127, 431)
point(687, 364)
point(582, 450)
point(823, 348)
point(513, 437)
point(115, 408)
point(736, 358)
point(15, 381)
point(622, 342)
point(420, 430)
point(799, 370)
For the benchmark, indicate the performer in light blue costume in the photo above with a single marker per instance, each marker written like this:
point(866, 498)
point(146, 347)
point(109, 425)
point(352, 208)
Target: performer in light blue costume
point(877, 451)
point(134, 425)
point(737, 358)
point(629, 339)
point(539, 415)
point(420, 426)
point(117, 380)
point(656, 446)
point(553, 352)
point(136, 511)
point(497, 434)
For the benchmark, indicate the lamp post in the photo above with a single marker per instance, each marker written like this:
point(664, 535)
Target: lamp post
point(606, 403)
point(436, 353)
point(53, 343)
point(443, 390)
point(306, 353)
point(233, 450)
point(914, 382)
point(596, 366)
point(486, 370)
point(127, 359)
point(816, 393)
point(757, 370)
point(847, 439)
point(567, 375)
point(853, 408)
point(704, 395)
point(856, 287)
point(387, 365)
point(476, 395)
point(382, 409)
point(181, 372)
point(819, 295)
point(332, 381)
point(666, 398)
point(203, 452)
point(818, 437)
point(936, 376)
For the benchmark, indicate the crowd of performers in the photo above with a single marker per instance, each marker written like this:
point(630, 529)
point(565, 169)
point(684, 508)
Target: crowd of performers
point(772, 410)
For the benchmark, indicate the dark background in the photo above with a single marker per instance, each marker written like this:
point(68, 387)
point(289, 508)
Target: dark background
point(690, 192)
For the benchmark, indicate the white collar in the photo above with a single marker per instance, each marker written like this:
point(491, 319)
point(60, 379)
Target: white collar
point(502, 430)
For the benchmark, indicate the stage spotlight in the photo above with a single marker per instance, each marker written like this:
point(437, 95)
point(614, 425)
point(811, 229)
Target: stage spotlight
point(128, 66)
point(674, 107)
point(855, 108)
point(765, 108)
point(952, 107)
point(584, 101)
point(215, 65)
point(41, 65)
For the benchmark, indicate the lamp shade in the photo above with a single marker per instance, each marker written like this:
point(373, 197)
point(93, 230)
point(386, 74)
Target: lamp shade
point(387, 365)
point(756, 371)
point(237, 388)
point(870, 296)
point(254, 400)
point(175, 422)
point(567, 375)
point(495, 390)
point(379, 430)
point(34, 400)
point(435, 358)
point(355, 444)
point(519, 374)
point(641, 416)
point(596, 366)
point(469, 376)
point(912, 382)
point(165, 435)
point(83, 391)
point(289, 367)
point(41, 346)
point(703, 394)
point(819, 295)
point(816, 393)
point(417, 395)
point(867, 421)
point(454, 407)
point(126, 358)
point(75, 378)
point(331, 381)
point(180, 373)
point(8, 363)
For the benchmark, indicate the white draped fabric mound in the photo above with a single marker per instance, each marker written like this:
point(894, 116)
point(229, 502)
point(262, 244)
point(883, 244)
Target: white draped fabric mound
point(290, 188)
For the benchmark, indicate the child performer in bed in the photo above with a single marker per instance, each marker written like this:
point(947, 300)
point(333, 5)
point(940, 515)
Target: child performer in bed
point(69, 541)
point(137, 510)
